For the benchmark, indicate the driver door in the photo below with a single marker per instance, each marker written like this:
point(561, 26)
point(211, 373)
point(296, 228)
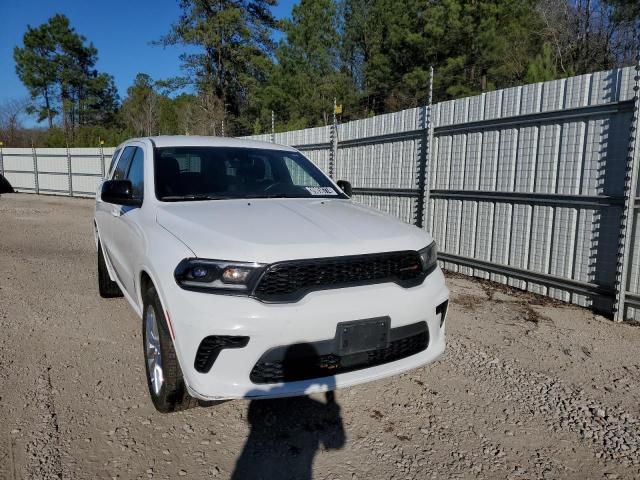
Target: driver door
point(127, 239)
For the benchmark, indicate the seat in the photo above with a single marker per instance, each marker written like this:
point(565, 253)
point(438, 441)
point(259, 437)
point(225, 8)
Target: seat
point(251, 176)
point(214, 176)
point(168, 177)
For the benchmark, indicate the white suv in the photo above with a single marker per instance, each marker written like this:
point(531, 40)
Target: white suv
point(255, 275)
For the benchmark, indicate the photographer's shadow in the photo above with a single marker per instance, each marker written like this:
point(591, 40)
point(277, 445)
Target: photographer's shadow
point(286, 432)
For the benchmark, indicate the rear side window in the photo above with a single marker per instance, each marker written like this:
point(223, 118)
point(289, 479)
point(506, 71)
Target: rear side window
point(136, 173)
point(124, 162)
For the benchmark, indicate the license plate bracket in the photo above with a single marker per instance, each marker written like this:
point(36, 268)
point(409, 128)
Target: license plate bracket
point(363, 335)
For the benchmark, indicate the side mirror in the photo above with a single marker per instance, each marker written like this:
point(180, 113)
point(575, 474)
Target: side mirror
point(346, 187)
point(119, 192)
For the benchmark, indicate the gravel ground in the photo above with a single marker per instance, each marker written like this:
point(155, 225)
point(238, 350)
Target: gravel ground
point(528, 388)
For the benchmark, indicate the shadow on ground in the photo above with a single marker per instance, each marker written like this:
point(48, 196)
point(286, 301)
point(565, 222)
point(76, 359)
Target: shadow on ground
point(286, 433)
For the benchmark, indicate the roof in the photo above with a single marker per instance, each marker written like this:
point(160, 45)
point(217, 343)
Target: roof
point(202, 141)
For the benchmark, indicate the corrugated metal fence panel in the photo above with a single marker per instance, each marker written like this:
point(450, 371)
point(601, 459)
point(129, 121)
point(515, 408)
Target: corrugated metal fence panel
point(387, 164)
point(633, 312)
point(374, 153)
point(87, 165)
point(396, 122)
point(53, 170)
point(264, 137)
point(86, 161)
point(314, 142)
point(52, 164)
point(19, 168)
point(399, 207)
point(632, 281)
point(581, 152)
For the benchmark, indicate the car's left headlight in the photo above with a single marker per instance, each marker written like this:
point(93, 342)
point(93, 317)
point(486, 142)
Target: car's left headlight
point(217, 276)
point(429, 258)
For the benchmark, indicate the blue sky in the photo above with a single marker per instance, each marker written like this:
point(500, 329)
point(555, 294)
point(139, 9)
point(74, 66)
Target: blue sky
point(121, 30)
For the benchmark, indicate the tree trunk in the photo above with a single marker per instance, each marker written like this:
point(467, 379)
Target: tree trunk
point(48, 106)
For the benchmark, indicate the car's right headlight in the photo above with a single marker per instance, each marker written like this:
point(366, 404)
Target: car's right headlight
point(217, 276)
point(429, 258)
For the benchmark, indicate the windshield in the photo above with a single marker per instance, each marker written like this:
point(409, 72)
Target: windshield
point(214, 173)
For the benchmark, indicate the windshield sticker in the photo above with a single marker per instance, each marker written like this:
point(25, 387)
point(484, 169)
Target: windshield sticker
point(321, 191)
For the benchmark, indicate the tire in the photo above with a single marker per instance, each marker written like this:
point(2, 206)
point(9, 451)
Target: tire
point(107, 287)
point(166, 387)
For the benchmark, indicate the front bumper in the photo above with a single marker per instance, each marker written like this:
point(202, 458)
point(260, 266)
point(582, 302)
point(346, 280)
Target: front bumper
point(313, 319)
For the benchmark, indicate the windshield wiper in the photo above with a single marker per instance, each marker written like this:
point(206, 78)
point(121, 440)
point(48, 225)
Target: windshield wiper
point(197, 197)
point(273, 195)
point(188, 198)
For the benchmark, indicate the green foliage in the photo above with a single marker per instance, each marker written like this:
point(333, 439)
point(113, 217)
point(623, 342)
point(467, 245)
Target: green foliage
point(232, 39)
point(306, 77)
point(86, 136)
point(36, 67)
point(140, 110)
point(625, 11)
point(55, 138)
point(473, 46)
point(57, 67)
point(542, 67)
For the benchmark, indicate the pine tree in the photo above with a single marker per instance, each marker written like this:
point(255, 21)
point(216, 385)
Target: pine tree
point(57, 67)
point(232, 38)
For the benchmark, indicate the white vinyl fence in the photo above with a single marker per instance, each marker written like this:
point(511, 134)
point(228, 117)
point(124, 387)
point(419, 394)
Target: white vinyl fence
point(534, 186)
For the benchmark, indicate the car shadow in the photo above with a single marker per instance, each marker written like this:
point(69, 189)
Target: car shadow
point(5, 186)
point(286, 433)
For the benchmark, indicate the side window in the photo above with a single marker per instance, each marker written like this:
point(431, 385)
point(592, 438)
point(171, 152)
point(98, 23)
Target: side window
point(123, 164)
point(113, 162)
point(136, 173)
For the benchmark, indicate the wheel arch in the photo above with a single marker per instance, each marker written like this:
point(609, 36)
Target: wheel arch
point(145, 283)
point(147, 280)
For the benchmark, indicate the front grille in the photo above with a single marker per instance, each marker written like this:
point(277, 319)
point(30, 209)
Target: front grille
point(291, 280)
point(316, 366)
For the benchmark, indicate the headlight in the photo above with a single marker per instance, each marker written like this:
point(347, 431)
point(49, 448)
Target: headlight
point(217, 275)
point(429, 258)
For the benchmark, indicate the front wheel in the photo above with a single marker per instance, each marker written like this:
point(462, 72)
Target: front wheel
point(164, 376)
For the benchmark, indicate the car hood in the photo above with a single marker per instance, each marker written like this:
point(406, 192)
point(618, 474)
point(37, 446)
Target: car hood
point(271, 230)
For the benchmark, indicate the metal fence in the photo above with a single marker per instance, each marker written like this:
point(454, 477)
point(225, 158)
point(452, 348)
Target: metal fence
point(534, 186)
point(58, 171)
point(528, 187)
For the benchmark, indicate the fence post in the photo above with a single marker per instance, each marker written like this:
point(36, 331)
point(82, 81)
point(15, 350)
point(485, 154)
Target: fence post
point(424, 161)
point(630, 204)
point(36, 179)
point(70, 173)
point(101, 158)
point(333, 153)
point(273, 127)
point(1, 160)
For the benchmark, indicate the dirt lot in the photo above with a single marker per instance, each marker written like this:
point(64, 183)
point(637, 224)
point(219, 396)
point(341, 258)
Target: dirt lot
point(528, 388)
